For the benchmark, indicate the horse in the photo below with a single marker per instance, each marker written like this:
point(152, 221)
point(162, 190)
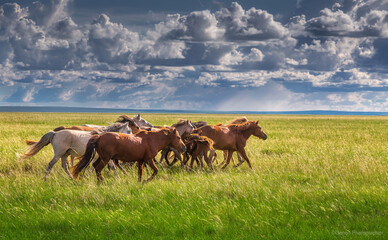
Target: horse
point(240, 120)
point(131, 123)
point(183, 127)
point(141, 122)
point(141, 148)
point(232, 138)
point(197, 147)
point(68, 142)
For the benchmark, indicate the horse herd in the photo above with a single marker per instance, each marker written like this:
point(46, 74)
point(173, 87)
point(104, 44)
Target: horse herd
point(134, 140)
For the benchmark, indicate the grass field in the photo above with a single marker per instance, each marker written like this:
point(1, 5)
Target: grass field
point(315, 177)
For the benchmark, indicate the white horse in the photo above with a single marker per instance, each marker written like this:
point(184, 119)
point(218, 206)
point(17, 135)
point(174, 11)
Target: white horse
point(68, 142)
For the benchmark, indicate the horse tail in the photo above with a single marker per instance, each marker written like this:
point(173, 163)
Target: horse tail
point(37, 146)
point(90, 152)
point(28, 142)
point(59, 128)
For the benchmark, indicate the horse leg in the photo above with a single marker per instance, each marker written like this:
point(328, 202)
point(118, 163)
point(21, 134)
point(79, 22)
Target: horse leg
point(240, 159)
point(154, 167)
point(65, 166)
point(112, 166)
point(186, 158)
point(225, 157)
point(215, 158)
point(230, 153)
point(244, 155)
point(163, 155)
point(199, 161)
point(118, 165)
point(98, 165)
point(192, 162)
point(207, 160)
point(139, 170)
point(177, 157)
point(50, 166)
point(212, 155)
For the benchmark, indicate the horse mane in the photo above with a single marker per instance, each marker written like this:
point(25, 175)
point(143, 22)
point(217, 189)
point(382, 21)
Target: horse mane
point(123, 119)
point(59, 128)
point(199, 124)
point(241, 127)
point(239, 120)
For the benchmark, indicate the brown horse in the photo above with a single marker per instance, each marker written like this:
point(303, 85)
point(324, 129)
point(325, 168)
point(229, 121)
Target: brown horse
point(196, 148)
point(183, 127)
point(232, 137)
point(240, 120)
point(141, 148)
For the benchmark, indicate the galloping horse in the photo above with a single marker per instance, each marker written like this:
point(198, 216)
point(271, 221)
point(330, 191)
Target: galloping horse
point(197, 147)
point(232, 137)
point(67, 142)
point(240, 120)
point(141, 148)
point(183, 127)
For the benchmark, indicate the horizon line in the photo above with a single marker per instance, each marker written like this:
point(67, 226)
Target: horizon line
point(123, 110)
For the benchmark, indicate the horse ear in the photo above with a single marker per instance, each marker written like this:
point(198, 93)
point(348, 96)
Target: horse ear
point(166, 132)
point(257, 122)
point(174, 131)
point(137, 116)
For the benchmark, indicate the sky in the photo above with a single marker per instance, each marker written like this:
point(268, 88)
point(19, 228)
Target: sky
point(248, 55)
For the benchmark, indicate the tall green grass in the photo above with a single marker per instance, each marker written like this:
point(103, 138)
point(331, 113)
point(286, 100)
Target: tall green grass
point(315, 177)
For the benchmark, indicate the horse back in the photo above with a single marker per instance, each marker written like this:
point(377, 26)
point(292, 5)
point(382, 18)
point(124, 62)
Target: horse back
point(221, 135)
point(125, 147)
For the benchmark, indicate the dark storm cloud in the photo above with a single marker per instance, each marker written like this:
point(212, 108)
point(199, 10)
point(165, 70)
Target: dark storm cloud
point(195, 57)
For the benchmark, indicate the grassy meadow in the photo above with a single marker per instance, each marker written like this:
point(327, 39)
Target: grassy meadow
point(315, 177)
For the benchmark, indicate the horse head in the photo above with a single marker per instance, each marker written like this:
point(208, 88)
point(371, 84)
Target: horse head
point(258, 131)
point(176, 140)
point(141, 122)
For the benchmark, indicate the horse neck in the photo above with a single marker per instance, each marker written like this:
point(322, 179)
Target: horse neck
point(181, 129)
point(246, 133)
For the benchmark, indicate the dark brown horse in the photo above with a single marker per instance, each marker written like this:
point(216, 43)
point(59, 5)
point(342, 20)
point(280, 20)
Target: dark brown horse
point(183, 127)
point(232, 137)
point(196, 148)
point(141, 148)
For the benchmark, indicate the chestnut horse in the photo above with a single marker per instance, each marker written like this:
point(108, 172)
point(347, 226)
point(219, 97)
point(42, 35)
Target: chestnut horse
point(240, 120)
point(183, 127)
point(196, 148)
point(232, 137)
point(141, 148)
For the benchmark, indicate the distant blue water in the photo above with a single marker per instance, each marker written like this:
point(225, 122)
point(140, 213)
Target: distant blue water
point(115, 110)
